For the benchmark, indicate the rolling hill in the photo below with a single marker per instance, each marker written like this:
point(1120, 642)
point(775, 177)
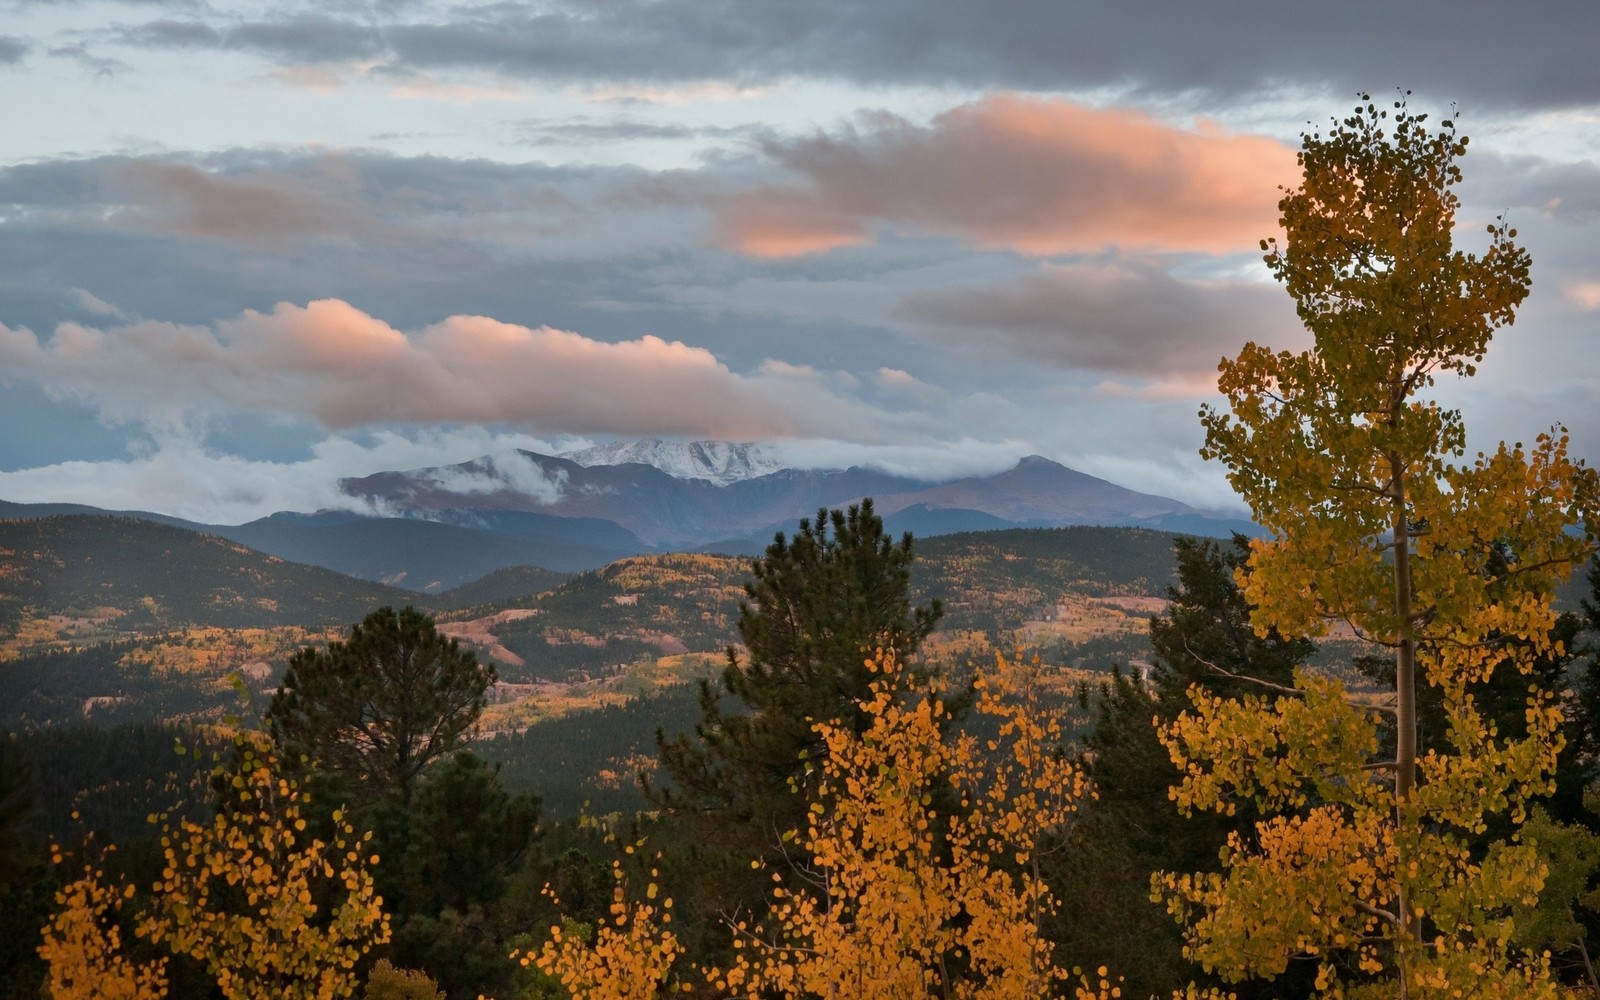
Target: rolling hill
point(153, 576)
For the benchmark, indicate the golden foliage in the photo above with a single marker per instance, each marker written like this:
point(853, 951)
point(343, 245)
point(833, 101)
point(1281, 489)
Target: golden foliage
point(82, 944)
point(627, 957)
point(903, 898)
point(269, 909)
point(1364, 864)
point(923, 876)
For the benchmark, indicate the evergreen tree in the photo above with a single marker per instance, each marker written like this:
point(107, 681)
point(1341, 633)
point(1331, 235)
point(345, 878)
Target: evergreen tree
point(445, 878)
point(816, 610)
point(380, 707)
point(1131, 827)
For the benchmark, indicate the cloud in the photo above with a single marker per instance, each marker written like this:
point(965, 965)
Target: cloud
point(292, 39)
point(775, 222)
point(1039, 176)
point(1567, 192)
point(584, 131)
point(101, 67)
point(332, 362)
point(511, 471)
point(1585, 295)
point(178, 475)
point(426, 212)
point(93, 304)
point(1198, 53)
point(420, 87)
point(1122, 319)
point(709, 92)
point(13, 49)
point(265, 209)
point(931, 462)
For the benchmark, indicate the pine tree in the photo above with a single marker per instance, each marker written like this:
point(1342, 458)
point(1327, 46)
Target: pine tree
point(1130, 828)
point(816, 610)
point(380, 707)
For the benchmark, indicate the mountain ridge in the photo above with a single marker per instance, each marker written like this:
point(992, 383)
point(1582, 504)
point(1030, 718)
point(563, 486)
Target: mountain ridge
point(719, 462)
point(436, 528)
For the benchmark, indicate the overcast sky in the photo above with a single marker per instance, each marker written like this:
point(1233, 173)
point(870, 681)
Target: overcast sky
point(248, 248)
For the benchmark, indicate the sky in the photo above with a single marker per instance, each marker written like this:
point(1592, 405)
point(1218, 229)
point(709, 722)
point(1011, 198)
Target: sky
point(247, 248)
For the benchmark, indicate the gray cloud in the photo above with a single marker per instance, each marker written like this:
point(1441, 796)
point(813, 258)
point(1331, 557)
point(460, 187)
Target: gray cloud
point(297, 39)
point(589, 131)
point(1119, 320)
point(1565, 192)
point(102, 67)
point(13, 49)
point(1197, 52)
point(277, 201)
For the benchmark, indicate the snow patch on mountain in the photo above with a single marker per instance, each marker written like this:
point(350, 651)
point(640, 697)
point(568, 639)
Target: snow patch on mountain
point(721, 462)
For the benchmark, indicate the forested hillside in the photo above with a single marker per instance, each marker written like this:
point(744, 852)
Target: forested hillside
point(137, 576)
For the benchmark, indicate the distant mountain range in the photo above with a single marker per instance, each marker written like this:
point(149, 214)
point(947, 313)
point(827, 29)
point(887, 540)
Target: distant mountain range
point(447, 526)
point(719, 462)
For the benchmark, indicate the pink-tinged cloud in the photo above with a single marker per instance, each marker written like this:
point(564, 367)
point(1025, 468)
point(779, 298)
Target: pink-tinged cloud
point(332, 362)
point(263, 208)
point(772, 222)
point(1123, 319)
point(1039, 176)
point(1584, 294)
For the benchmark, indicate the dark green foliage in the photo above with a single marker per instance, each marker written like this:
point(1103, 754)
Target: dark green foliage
point(112, 778)
point(1582, 752)
point(1206, 637)
point(815, 611)
point(1562, 922)
point(448, 862)
point(467, 835)
point(558, 759)
point(25, 883)
point(545, 659)
point(509, 587)
point(53, 688)
point(1132, 828)
point(381, 706)
point(817, 608)
point(27, 898)
point(18, 804)
point(71, 687)
point(996, 580)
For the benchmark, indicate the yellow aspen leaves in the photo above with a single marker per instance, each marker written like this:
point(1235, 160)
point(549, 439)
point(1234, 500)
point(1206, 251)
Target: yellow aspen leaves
point(266, 912)
point(629, 957)
point(922, 878)
point(82, 945)
point(1379, 525)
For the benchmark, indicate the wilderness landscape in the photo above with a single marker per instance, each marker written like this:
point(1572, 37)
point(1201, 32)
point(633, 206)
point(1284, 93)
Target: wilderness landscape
point(733, 499)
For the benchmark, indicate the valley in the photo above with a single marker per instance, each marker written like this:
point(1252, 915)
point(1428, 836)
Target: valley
point(113, 621)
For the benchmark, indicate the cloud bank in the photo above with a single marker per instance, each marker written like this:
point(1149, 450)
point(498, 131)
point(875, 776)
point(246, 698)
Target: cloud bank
point(1039, 176)
point(332, 362)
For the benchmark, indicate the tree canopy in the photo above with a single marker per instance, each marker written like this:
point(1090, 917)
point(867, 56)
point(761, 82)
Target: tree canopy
point(1364, 863)
point(816, 609)
point(383, 705)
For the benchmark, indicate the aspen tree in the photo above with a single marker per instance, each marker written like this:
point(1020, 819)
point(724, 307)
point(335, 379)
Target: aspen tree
point(266, 907)
point(1379, 523)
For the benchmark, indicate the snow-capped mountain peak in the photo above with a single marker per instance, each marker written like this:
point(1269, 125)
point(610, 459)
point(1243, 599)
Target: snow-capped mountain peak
point(721, 462)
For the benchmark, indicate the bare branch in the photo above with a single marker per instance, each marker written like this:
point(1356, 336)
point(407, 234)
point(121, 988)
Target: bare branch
point(1216, 668)
point(1373, 911)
